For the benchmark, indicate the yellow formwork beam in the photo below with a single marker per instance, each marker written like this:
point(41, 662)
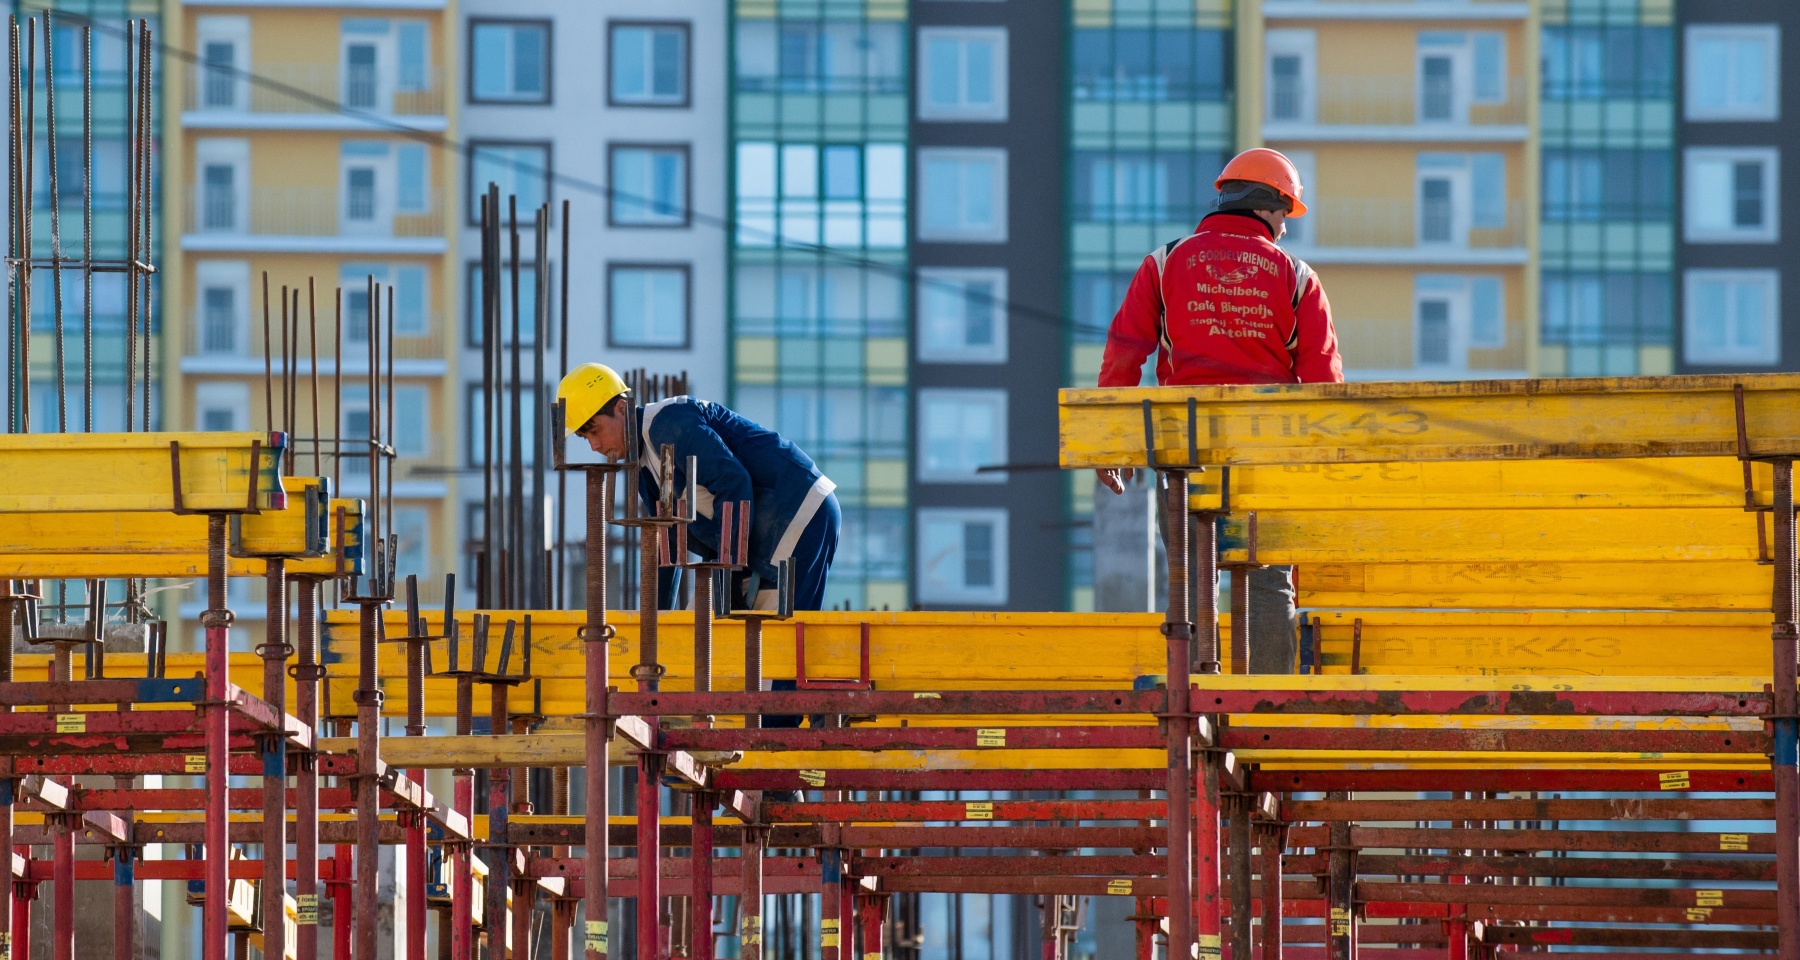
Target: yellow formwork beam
point(1601, 418)
point(1489, 485)
point(1705, 585)
point(1491, 536)
point(133, 472)
point(1561, 643)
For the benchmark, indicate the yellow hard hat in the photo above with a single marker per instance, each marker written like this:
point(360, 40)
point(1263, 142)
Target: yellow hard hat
point(585, 390)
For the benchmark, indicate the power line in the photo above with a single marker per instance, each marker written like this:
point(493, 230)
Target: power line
point(582, 184)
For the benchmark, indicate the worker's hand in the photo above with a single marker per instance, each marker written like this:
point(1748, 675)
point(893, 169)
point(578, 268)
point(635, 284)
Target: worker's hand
point(1115, 479)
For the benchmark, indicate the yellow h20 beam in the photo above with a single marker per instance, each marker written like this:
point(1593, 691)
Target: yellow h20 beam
point(1601, 418)
point(79, 545)
point(1547, 585)
point(1491, 485)
point(135, 472)
point(1488, 536)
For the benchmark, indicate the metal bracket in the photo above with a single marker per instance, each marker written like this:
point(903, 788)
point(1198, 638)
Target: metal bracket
point(803, 682)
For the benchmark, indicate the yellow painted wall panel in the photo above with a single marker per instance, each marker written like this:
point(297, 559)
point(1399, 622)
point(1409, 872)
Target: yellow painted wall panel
point(1372, 308)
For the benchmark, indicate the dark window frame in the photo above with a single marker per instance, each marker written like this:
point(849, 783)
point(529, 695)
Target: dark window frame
point(687, 184)
point(469, 150)
point(472, 304)
point(687, 64)
point(687, 302)
point(549, 26)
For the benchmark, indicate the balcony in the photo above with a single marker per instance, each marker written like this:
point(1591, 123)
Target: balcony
point(1364, 230)
point(305, 220)
point(1395, 108)
point(231, 346)
point(325, 96)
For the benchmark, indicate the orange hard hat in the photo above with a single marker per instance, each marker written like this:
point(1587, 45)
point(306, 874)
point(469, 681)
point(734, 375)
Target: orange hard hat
point(1268, 167)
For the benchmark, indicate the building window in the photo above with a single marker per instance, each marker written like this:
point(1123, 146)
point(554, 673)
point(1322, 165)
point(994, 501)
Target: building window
point(1487, 313)
point(1611, 184)
point(1623, 62)
point(520, 169)
point(412, 421)
point(410, 300)
point(224, 62)
point(511, 61)
point(962, 73)
point(1139, 64)
point(1734, 72)
point(527, 304)
point(649, 185)
point(647, 306)
point(1453, 315)
point(649, 64)
point(1732, 317)
point(221, 407)
point(962, 316)
point(961, 431)
point(963, 195)
point(800, 56)
point(412, 176)
point(1292, 76)
point(1731, 195)
point(475, 426)
point(841, 195)
point(224, 302)
point(224, 194)
point(1488, 52)
point(412, 527)
point(962, 556)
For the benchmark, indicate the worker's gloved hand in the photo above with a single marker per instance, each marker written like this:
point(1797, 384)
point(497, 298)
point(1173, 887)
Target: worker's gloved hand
point(1115, 479)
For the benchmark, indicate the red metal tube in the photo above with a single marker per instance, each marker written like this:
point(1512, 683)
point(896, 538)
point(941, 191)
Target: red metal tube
point(524, 901)
point(1785, 724)
point(217, 621)
point(597, 728)
point(701, 903)
point(368, 798)
point(750, 901)
point(649, 850)
point(499, 808)
point(124, 907)
point(1209, 926)
point(306, 780)
point(831, 903)
point(1273, 840)
point(1178, 626)
point(62, 888)
point(873, 914)
point(462, 878)
point(1145, 922)
point(343, 913)
point(23, 894)
point(415, 885)
point(275, 652)
point(1340, 937)
point(847, 912)
point(1243, 866)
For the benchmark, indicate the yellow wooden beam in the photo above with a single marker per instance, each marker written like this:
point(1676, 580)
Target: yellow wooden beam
point(132, 472)
point(1489, 485)
point(1451, 420)
point(1562, 643)
point(1689, 585)
point(1492, 536)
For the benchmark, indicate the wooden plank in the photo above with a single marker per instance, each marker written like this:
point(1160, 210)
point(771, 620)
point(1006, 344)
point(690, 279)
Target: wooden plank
point(1701, 585)
point(131, 472)
point(1491, 485)
point(1598, 418)
point(1592, 643)
point(1492, 536)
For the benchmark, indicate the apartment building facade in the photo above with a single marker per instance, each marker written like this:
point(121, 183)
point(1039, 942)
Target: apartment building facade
point(1734, 84)
point(633, 138)
point(302, 150)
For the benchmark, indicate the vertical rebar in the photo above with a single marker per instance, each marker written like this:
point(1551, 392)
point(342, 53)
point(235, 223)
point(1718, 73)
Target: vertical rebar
point(27, 200)
point(268, 361)
point(337, 396)
point(15, 340)
point(1273, 840)
point(556, 430)
point(312, 326)
point(56, 294)
point(1242, 866)
point(387, 407)
point(515, 474)
point(540, 319)
point(484, 571)
point(368, 795)
point(87, 225)
point(143, 214)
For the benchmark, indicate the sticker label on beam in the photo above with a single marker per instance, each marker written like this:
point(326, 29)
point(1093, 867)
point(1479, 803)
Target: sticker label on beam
point(71, 723)
point(990, 737)
point(595, 935)
point(1118, 888)
point(1709, 898)
point(195, 763)
point(828, 933)
point(1211, 946)
point(1674, 780)
point(1734, 842)
point(306, 909)
point(813, 778)
point(978, 810)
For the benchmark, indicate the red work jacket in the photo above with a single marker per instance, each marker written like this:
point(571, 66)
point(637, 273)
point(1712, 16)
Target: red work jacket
point(1223, 305)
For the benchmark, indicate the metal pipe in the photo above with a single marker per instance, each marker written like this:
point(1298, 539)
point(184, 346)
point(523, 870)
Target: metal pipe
point(701, 903)
point(831, 903)
point(524, 904)
point(1274, 839)
point(24, 891)
point(416, 907)
point(124, 906)
point(8, 607)
point(1786, 720)
point(499, 813)
point(753, 664)
point(1340, 934)
point(15, 336)
point(555, 431)
point(312, 327)
point(540, 577)
point(143, 213)
point(306, 782)
point(274, 750)
point(515, 474)
point(1176, 719)
point(368, 790)
point(489, 217)
point(1240, 619)
point(597, 725)
point(62, 887)
point(27, 239)
point(462, 881)
point(649, 856)
point(56, 294)
point(217, 621)
point(1242, 866)
point(750, 901)
point(87, 225)
point(268, 361)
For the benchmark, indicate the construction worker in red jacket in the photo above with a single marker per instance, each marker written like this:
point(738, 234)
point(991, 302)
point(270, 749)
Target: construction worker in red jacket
point(1225, 304)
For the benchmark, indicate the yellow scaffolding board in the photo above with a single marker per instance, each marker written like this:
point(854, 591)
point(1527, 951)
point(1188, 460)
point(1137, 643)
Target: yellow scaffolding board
point(1492, 536)
point(1601, 418)
point(1487, 485)
point(1690, 585)
point(134, 472)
